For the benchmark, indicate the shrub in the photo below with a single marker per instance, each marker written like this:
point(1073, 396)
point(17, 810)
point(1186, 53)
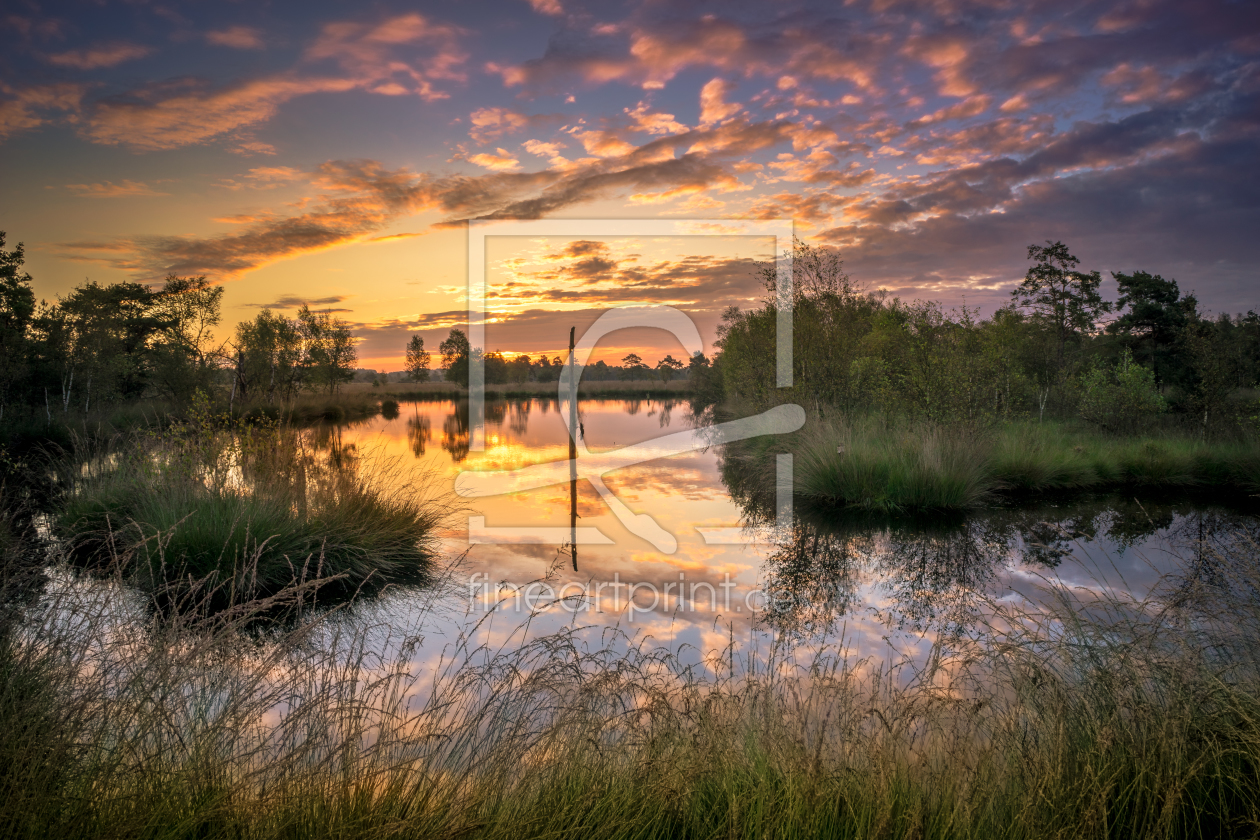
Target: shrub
point(1119, 398)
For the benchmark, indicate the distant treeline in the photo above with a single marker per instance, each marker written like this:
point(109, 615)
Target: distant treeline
point(1057, 349)
point(125, 341)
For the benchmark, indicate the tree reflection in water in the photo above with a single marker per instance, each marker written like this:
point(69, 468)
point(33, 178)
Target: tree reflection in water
point(419, 432)
point(455, 432)
point(936, 574)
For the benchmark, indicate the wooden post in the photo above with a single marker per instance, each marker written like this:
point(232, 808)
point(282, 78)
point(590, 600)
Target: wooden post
point(572, 450)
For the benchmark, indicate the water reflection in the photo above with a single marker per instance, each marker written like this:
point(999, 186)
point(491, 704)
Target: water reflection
point(455, 439)
point(419, 431)
point(937, 574)
point(914, 577)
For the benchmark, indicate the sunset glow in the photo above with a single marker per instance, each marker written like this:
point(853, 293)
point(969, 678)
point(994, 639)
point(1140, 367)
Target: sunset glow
point(314, 154)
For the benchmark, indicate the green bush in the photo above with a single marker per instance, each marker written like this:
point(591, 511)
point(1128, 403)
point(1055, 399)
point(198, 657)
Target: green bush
point(1118, 399)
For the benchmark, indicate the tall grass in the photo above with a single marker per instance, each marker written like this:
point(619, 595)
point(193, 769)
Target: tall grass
point(888, 465)
point(1031, 457)
point(1092, 718)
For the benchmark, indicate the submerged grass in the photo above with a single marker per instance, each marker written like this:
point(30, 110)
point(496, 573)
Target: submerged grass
point(888, 466)
point(1097, 719)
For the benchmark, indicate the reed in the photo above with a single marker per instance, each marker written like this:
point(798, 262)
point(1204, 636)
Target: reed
point(1093, 717)
point(890, 465)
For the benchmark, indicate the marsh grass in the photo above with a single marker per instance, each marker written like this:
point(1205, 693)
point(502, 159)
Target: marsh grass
point(1087, 716)
point(259, 508)
point(886, 465)
point(305, 409)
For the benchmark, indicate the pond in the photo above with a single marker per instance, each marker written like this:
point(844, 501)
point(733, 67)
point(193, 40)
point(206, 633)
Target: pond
point(733, 572)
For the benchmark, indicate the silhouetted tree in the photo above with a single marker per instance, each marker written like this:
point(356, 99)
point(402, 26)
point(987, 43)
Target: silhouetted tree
point(417, 364)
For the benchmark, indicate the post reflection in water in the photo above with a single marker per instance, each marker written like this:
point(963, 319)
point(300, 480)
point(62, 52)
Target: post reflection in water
point(573, 432)
point(923, 577)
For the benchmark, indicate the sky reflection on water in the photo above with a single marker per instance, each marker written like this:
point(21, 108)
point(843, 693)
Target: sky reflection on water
point(891, 587)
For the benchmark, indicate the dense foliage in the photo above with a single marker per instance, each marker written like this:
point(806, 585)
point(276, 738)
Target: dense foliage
point(1053, 351)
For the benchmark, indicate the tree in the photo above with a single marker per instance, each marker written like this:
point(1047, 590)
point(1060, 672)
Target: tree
point(1214, 369)
point(268, 354)
point(667, 367)
point(17, 310)
point(519, 369)
point(817, 273)
point(495, 368)
point(633, 368)
point(1156, 317)
point(330, 354)
point(417, 364)
point(455, 351)
point(188, 310)
point(1055, 291)
point(101, 339)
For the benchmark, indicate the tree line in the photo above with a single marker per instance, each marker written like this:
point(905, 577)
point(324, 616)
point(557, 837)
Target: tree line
point(457, 353)
point(1058, 348)
point(103, 344)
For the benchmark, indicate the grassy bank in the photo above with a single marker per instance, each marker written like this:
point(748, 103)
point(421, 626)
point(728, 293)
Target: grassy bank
point(246, 510)
point(1142, 721)
point(884, 465)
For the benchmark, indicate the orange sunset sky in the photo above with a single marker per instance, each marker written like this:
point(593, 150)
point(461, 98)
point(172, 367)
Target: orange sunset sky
point(331, 154)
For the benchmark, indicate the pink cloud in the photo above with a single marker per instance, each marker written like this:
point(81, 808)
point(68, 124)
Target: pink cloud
point(237, 38)
point(172, 121)
point(547, 7)
point(501, 162)
point(162, 118)
point(22, 107)
point(99, 56)
point(713, 105)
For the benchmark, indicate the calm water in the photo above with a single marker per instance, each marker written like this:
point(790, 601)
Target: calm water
point(882, 585)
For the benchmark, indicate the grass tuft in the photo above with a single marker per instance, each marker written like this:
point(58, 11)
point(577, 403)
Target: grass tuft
point(255, 511)
point(887, 465)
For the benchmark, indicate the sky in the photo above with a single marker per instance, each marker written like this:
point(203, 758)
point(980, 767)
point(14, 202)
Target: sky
point(331, 154)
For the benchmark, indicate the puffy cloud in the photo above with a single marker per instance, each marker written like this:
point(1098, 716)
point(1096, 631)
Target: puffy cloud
point(657, 50)
point(713, 105)
point(502, 162)
point(489, 123)
point(889, 131)
point(653, 122)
